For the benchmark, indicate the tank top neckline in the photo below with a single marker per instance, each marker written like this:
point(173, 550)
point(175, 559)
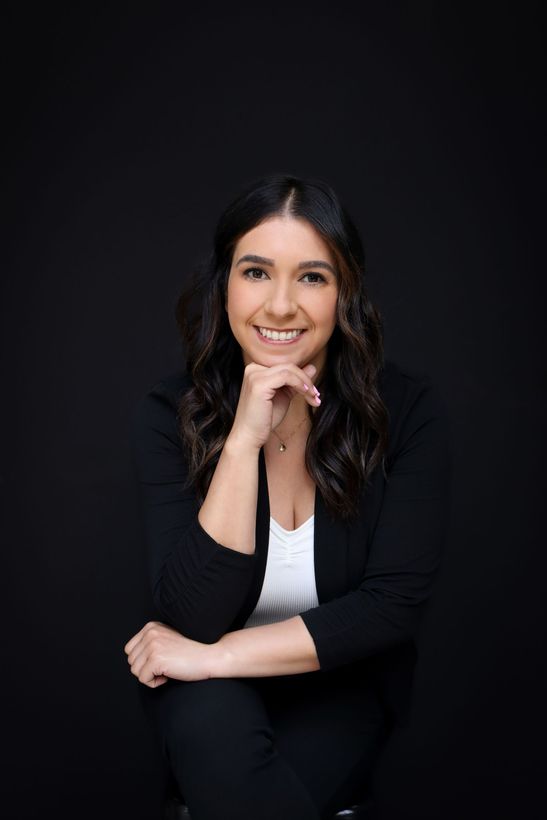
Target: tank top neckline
point(291, 532)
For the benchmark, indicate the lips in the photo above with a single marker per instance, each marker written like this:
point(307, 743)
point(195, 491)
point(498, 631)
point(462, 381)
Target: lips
point(265, 340)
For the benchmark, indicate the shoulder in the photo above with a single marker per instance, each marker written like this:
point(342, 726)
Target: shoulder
point(157, 409)
point(170, 388)
point(400, 385)
point(413, 401)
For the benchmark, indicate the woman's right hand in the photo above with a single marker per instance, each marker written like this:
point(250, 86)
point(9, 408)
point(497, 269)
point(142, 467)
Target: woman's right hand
point(264, 399)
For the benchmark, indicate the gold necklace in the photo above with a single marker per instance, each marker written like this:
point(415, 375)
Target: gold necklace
point(282, 445)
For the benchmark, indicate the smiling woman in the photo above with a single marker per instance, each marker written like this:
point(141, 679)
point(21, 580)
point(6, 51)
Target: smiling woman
point(265, 304)
point(287, 257)
point(295, 489)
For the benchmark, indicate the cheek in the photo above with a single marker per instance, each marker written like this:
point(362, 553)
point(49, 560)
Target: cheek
point(242, 300)
point(328, 312)
point(231, 296)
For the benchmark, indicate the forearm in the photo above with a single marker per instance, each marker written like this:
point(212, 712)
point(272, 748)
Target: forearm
point(228, 513)
point(283, 648)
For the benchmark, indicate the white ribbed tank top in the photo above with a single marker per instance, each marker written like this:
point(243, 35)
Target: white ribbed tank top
point(289, 581)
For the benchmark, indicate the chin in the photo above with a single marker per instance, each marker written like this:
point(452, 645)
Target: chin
point(279, 358)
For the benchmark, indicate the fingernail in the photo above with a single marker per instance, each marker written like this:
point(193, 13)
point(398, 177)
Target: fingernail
point(316, 391)
point(306, 386)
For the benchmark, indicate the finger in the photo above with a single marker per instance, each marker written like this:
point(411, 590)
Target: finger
point(310, 369)
point(146, 667)
point(138, 664)
point(302, 389)
point(307, 388)
point(138, 646)
point(128, 648)
point(158, 680)
point(139, 650)
point(306, 373)
point(145, 651)
point(139, 636)
point(290, 378)
point(307, 379)
point(149, 671)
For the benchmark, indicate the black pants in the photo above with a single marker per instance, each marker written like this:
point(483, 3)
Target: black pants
point(294, 747)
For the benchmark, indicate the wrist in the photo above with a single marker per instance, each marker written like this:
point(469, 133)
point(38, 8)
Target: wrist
point(220, 660)
point(238, 444)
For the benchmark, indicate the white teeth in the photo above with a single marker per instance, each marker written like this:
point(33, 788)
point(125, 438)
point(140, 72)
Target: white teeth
point(279, 335)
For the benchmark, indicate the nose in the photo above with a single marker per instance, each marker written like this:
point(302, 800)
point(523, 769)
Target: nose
point(281, 300)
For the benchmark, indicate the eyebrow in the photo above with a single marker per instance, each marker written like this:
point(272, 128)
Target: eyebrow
point(261, 260)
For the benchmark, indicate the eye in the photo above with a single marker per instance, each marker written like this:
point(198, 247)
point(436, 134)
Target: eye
point(246, 274)
point(321, 278)
point(249, 274)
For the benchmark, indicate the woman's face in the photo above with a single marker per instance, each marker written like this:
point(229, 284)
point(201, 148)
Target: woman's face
point(282, 278)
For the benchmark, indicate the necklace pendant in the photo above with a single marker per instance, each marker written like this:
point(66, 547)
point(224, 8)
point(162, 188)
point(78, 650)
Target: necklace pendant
point(282, 448)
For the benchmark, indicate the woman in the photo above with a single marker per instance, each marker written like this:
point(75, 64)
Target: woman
point(295, 491)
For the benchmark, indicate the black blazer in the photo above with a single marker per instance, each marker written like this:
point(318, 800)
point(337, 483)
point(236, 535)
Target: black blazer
point(373, 576)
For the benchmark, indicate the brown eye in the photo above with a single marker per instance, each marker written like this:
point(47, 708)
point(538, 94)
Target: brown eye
point(246, 274)
point(321, 278)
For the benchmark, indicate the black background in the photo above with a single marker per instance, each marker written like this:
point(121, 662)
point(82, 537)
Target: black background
point(129, 129)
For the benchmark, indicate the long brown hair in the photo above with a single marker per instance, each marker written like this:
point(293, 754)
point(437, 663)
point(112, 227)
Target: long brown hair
point(349, 432)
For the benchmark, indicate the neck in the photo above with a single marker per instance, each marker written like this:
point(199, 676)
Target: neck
point(293, 430)
point(298, 410)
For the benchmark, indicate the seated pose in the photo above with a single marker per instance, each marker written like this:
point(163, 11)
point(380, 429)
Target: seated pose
point(295, 494)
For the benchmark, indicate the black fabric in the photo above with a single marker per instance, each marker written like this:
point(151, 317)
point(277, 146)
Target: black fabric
point(373, 577)
point(291, 747)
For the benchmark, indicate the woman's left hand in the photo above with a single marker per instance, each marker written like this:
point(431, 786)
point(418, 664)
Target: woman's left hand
point(159, 652)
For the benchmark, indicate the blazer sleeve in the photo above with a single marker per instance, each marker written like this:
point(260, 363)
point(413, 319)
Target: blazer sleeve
point(405, 547)
point(198, 585)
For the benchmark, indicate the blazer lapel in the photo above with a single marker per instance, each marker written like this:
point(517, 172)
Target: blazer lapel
point(331, 545)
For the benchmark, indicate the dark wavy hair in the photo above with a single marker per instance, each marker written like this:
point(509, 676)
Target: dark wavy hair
point(349, 432)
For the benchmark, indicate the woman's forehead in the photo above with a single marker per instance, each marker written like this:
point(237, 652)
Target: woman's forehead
point(283, 236)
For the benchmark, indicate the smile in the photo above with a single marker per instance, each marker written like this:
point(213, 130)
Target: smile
point(278, 336)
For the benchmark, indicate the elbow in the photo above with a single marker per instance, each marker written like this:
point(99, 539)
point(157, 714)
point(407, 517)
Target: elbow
point(196, 625)
point(203, 606)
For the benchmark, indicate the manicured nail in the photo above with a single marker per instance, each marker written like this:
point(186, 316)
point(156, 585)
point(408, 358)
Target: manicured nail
point(305, 386)
point(316, 391)
point(318, 400)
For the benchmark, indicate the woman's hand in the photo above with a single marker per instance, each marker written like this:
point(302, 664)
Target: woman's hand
point(159, 652)
point(265, 395)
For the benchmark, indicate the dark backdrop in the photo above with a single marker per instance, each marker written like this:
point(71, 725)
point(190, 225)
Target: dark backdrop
point(129, 130)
